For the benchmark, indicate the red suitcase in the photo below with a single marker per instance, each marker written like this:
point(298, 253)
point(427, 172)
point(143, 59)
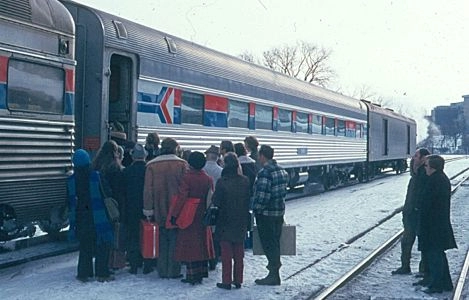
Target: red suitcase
point(149, 239)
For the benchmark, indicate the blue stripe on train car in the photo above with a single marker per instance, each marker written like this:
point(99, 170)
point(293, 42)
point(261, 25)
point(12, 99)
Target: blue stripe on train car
point(145, 97)
point(252, 122)
point(215, 119)
point(3, 96)
point(275, 125)
point(177, 115)
point(69, 104)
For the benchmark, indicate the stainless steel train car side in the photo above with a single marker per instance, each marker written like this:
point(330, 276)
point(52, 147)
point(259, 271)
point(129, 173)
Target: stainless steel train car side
point(135, 75)
point(391, 139)
point(36, 110)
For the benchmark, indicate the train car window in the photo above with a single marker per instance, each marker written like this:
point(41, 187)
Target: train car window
point(301, 122)
point(263, 117)
point(284, 120)
point(35, 88)
point(359, 130)
point(340, 128)
point(350, 130)
point(192, 108)
point(317, 124)
point(238, 114)
point(329, 126)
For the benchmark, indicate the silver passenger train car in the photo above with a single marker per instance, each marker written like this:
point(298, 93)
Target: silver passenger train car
point(37, 70)
point(151, 81)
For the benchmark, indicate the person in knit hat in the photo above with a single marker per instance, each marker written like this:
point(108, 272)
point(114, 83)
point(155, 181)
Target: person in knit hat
point(88, 220)
point(134, 179)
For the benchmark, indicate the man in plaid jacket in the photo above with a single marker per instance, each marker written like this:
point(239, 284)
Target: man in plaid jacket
point(268, 206)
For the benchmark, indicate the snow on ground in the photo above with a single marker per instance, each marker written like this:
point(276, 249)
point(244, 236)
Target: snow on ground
point(324, 222)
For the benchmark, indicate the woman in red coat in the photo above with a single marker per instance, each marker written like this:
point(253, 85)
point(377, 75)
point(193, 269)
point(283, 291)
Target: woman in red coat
point(194, 246)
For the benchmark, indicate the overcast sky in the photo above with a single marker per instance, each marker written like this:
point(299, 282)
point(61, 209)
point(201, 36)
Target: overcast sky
point(414, 52)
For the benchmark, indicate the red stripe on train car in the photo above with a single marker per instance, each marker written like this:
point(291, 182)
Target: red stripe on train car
point(177, 97)
point(70, 80)
point(275, 111)
point(252, 109)
point(164, 107)
point(3, 68)
point(350, 124)
point(214, 103)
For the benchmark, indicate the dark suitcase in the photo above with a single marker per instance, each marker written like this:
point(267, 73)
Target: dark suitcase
point(117, 259)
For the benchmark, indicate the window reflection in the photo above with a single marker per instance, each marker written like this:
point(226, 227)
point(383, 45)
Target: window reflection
point(284, 120)
point(238, 114)
point(317, 124)
point(301, 122)
point(35, 88)
point(263, 117)
point(192, 108)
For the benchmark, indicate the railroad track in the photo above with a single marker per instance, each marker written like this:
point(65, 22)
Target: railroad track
point(376, 254)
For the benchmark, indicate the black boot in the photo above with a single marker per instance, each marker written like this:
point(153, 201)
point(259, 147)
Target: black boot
point(404, 270)
point(272, 279)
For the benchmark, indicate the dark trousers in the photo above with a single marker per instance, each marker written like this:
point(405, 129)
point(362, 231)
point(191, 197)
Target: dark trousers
point(133, 244)
point(410, 221)
point(101, 263)
point(232, 252)
point(216, 247)
point(167, 266)
point(86, 250)
point(270, 230)
point(439, 270)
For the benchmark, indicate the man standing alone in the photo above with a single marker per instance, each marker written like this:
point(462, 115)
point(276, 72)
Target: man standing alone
point(268, 206)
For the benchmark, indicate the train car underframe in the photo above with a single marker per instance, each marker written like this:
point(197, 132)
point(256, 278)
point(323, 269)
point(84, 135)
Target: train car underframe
point(331, 176)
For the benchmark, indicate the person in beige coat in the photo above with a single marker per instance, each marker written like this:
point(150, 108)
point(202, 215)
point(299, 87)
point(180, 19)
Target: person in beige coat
point(162, 178)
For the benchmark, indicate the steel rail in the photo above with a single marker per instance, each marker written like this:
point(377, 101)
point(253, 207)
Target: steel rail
point(462, 279)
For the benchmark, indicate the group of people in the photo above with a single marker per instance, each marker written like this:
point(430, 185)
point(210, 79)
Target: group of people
point(155, 184)
point(426, 216)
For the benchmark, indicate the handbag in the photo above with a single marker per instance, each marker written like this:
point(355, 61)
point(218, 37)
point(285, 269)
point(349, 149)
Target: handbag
point(210, 216)
point(111, 206)
point(211, 213)
point(187, 214)
point(112, 209)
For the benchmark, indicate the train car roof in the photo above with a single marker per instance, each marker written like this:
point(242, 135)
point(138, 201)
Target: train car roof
point(375, 108)
point(152, 44)
point(46, 13)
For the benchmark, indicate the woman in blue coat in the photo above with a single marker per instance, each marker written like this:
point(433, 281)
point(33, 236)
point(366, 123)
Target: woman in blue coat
point(88, 220)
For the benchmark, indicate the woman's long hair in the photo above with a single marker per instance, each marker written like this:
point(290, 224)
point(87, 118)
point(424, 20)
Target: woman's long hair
point(106, 157)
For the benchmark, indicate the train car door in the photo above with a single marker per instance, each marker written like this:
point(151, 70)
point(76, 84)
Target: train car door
point(385, 137)
point(121, 115)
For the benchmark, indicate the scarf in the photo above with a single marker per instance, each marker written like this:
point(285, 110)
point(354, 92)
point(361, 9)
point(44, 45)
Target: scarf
point(104, 230)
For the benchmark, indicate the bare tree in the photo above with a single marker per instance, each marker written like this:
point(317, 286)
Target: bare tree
point(247, 56)
point(305, 61)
